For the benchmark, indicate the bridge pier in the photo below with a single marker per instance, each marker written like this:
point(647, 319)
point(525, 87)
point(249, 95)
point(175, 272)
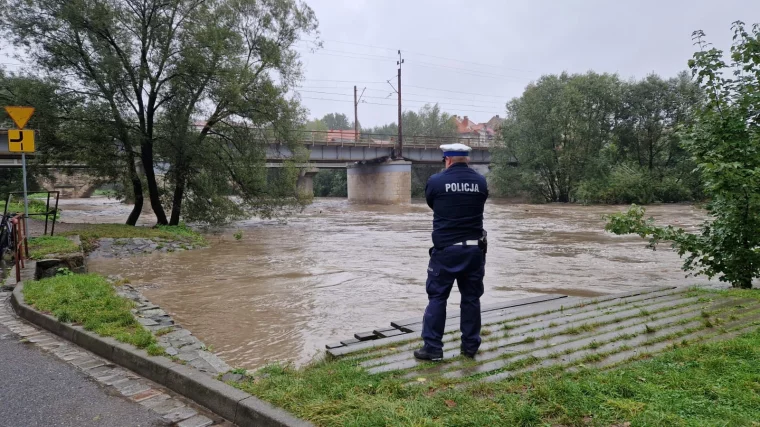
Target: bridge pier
point(387, 183)
point(305, 184)
point(71, 183)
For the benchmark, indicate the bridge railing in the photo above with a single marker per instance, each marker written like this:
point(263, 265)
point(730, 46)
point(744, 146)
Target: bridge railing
point(349, 138)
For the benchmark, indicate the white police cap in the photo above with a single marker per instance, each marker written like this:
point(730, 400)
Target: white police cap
point(455, 150)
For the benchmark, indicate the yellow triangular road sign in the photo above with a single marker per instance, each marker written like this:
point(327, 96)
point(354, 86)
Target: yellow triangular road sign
point(20, 115)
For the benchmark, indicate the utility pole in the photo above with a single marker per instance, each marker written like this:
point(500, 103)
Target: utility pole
point(356, 117)
point(356, 113)
point(398, 154)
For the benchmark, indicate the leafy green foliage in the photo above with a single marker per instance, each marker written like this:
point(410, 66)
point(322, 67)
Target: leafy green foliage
point(420, 175)
point(90, 300)
point(11, 179)
point(63, 271)
point(337, 121)
point(191, 90)
point(593, 138)
point(331, 183)
point(316, 130)
point(428, 121)
point(41, 247)
point(724, 143)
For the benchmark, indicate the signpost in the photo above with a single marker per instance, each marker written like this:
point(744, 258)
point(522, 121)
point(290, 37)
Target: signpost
point(21, 141)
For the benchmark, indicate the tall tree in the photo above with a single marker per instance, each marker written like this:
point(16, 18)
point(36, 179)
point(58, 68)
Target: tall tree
point(557, 126)
point(595, 138)
point(428, 121)
point(337, 121)
point(651, 111)
point(724, 142)
point(315, 130)
point(226, 62)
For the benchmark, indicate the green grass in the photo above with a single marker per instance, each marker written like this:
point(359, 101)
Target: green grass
point(704, 385)
point(40, 247)
point(179, 233)
point(37, 204)
point(579, 329)
point(89, 300)
point(693, 385)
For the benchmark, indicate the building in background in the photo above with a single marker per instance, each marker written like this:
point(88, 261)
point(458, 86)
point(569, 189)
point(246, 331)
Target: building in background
point(335, 135)
point(477, 133)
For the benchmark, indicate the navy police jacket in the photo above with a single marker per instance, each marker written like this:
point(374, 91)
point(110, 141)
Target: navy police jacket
point(457, 196)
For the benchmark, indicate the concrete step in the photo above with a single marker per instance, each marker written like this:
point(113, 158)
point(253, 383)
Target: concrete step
point(541, 341)
point(637, 339)
point(559, 308)
point(518, 334)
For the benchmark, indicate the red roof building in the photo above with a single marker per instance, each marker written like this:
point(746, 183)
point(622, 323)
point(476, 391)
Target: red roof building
point(472, 132)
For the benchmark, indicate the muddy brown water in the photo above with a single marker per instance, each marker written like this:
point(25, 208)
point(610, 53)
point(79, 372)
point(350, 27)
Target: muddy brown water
point(289, 287)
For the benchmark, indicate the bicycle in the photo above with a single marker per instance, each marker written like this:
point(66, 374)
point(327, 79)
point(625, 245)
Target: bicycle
point(7, 240)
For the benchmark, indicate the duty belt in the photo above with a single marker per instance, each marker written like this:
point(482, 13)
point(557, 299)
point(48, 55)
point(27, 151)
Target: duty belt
point(482, 243)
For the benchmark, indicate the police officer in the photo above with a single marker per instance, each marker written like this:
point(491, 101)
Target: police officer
point(457, 196)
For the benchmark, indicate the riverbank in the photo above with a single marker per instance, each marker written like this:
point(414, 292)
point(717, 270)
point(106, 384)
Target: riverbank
point(89, 300)
point(116, 240)
point(91, 234)
point(693, 382)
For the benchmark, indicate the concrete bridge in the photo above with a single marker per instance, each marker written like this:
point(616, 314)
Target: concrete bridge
point(376, 174)
point(72, 181)
point(418, 149)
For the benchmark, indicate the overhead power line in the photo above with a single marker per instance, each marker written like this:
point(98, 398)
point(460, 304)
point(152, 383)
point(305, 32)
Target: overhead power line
point(418, 87)
point(454, 91)
point(405, 99)
point(348, 56)
point(309, 88)
point(342, 81)
point(351, 53)
point(467, 71)
point(390, 105)
point(424, 54)
point(475, 73)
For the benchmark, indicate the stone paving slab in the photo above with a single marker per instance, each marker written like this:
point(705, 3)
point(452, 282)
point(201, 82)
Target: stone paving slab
point(178, 343)
point(180, 414)
point(196, 421)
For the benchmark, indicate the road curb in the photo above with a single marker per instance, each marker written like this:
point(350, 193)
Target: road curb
point(227, 401)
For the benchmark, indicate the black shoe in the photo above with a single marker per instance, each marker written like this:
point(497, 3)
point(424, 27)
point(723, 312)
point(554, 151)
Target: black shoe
point(424, 354)
point(468, 354)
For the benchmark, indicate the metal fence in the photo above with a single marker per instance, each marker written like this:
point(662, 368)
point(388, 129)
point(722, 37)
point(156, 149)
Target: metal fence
point(51, 206)
point(347, 138)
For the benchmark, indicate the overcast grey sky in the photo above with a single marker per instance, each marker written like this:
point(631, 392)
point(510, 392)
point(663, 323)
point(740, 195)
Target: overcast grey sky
point(494, 48)
point(473, 56)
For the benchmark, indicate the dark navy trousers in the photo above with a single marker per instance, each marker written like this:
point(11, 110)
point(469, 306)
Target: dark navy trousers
point(466, 265)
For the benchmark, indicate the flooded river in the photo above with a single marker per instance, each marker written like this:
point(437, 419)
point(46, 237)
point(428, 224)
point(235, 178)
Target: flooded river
point(287, 288)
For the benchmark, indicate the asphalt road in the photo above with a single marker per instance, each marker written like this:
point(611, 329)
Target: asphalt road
point(37, 389)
